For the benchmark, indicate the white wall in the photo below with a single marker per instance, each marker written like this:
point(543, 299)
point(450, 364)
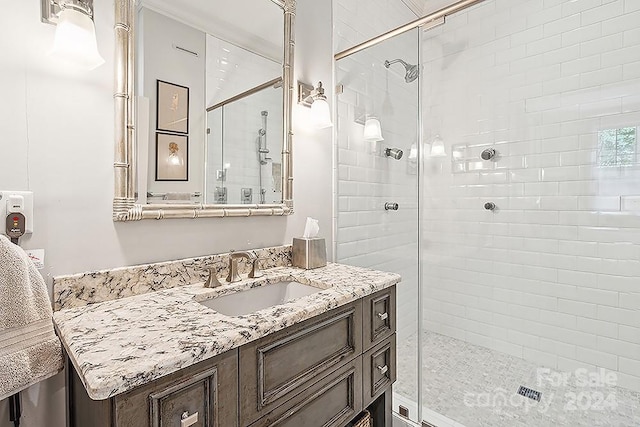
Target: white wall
point(58, 142)
point(553, 275)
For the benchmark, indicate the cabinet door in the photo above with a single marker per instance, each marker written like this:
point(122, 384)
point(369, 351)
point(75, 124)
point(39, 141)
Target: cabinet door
point(281, 365)
point(379, 369)
point(208, 388)
point(331, 402)
point(379, 316)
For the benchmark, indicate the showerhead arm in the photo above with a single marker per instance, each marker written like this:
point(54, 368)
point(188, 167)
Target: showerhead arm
point(388, 63)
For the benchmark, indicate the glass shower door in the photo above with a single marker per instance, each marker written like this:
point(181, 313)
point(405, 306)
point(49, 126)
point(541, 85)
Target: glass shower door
point(377, 184)
point(531, 215)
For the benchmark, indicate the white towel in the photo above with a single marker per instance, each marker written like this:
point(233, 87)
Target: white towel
point(30, 351)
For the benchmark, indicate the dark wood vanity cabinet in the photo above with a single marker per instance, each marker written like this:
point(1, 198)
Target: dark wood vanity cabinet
point(283, 365)
point(321, 372)
point(208, 388)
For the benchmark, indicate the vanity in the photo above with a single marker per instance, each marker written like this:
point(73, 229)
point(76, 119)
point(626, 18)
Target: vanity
point(317, 355)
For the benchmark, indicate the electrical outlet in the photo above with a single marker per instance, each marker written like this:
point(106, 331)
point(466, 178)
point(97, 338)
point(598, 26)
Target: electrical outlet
point(26, 209)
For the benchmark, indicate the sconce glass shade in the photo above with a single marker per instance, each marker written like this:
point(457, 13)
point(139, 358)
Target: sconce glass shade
point(437, 147)
point(321, 113)
point(413, 152)
point(372, 130)
point(75, 40)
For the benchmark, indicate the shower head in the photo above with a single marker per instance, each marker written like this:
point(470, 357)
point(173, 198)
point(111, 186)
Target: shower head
point(394, 153)
point(412, 70)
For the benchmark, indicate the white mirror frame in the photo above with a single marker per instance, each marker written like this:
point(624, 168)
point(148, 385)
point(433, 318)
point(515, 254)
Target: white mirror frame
point(125, 207)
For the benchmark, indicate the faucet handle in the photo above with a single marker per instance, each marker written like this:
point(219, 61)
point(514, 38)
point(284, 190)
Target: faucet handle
point(255, 268)
point(212, 280)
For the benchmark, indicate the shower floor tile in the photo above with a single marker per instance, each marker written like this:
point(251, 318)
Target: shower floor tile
point(476, 387)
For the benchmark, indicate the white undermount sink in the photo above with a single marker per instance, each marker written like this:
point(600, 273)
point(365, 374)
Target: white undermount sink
point(259, 298)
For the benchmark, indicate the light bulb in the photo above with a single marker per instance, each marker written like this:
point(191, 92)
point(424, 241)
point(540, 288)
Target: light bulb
point(75, 40)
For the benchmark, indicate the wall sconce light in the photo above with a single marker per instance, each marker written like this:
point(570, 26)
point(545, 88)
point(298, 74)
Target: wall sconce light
point(315, 98)
point(75, 38)
point(413, 152)
point(372, 130)
point(437, 147)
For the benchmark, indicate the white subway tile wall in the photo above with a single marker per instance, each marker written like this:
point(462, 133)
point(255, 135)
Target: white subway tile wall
point(367, 235)
point(553, 274)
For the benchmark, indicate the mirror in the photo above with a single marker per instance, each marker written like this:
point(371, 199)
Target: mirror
point(203, 108)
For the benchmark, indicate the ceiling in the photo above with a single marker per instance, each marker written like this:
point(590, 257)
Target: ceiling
point(424, 7)
point(250, 24)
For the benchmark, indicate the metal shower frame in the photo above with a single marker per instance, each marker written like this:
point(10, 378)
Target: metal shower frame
point(424, 21)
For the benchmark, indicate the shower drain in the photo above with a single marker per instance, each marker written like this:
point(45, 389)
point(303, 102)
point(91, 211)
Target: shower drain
point(530, 393)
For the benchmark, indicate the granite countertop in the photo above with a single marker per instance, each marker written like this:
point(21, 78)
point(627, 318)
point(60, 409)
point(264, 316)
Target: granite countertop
point(118, 345)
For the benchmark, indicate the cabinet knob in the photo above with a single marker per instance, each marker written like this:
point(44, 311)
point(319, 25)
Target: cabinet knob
point(383, 369)
point(383, 316)
point(188, 420)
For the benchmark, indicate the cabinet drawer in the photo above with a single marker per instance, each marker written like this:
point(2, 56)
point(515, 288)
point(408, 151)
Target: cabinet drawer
point(331, 402)
point(276, 368)
point(378, 369)
point(379, 316)
point(208, 388)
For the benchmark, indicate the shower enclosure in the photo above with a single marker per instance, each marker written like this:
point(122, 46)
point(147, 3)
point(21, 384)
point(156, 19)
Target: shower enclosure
point(240, 168)
point(517, 228)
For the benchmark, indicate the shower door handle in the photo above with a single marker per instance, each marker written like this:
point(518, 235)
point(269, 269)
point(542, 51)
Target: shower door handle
point(391, 206)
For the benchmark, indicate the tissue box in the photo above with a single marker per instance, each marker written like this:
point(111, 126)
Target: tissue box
point(309, 253)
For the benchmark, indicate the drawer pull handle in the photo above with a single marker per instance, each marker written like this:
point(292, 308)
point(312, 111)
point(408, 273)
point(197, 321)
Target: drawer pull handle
point(383, 316)
point(383, 369)
point(188, 420)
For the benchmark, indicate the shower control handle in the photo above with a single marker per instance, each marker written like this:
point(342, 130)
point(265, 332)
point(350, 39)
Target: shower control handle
point(488, 154)
point(490, 206)
point(391, 206)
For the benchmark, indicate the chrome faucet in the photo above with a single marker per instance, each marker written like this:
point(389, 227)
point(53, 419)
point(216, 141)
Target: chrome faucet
point(233, 264)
